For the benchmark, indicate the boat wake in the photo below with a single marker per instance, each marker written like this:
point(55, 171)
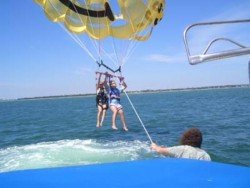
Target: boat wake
point(72, 152)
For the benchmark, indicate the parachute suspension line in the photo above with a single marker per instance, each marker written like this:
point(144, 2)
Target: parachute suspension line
point(94, 43)
point(107, 54)
point(104, 52)
point(79, 42)
point(127, 47)
point(115, 62)
point(133, 44)
point(74, 36)
point(99, 41)
point(131, 51)
point(133, 48)
point(99, 49)
point(114, 48)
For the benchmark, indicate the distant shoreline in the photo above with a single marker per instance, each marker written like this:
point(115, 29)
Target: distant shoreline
point(140, 91)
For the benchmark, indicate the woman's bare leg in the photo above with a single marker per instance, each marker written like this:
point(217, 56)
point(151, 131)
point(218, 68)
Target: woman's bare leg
point(114, 110)
point(99, 114)
point(123, 120)
point(103, 116)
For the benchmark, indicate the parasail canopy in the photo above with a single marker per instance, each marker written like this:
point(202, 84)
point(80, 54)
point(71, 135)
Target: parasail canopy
point(99, 18)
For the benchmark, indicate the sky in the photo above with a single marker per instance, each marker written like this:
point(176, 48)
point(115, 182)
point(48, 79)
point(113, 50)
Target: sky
point(38, 58)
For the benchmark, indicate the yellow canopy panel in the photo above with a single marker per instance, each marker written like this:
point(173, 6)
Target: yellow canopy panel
point(96, 18)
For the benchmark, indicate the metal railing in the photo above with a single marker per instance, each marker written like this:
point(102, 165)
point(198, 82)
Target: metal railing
point(205, 56)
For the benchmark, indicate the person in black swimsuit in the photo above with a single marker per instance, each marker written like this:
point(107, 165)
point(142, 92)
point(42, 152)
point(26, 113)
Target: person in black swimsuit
point(101, 103)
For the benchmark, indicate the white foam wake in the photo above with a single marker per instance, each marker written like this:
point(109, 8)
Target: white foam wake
point(71, 152)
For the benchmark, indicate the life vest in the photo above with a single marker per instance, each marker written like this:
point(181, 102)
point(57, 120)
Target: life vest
point(101, 97)
point(114, 93)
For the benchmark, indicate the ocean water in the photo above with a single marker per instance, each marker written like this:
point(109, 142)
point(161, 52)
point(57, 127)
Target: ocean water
point(62, 131)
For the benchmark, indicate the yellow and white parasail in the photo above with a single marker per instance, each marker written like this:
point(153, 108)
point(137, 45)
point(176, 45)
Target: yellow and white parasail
point(96, 17)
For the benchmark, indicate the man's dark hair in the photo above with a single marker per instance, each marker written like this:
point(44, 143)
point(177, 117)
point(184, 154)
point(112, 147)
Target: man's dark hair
point(192, 137)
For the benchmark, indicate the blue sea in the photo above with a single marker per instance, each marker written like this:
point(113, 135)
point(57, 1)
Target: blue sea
point(57, 132)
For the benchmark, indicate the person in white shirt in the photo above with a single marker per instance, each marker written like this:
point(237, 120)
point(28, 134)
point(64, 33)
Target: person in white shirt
point(114, 103)
point(190, 147)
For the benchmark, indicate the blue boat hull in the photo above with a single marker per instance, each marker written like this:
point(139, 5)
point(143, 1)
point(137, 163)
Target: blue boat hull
point(147, 173)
